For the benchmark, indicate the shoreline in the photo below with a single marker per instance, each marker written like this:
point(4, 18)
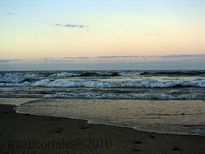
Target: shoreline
point(90, 123)
point(18, 131)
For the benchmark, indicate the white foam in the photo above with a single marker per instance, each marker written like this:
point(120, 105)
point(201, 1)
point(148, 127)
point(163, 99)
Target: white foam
point(104, 83)
point(64, 74)
point(117, 84)
point(130, 74)
point(93, 95)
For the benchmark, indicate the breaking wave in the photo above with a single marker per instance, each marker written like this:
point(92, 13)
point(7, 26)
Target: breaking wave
point(126, 96)
point(21, 75)
point(108, 83)
point(118, 84)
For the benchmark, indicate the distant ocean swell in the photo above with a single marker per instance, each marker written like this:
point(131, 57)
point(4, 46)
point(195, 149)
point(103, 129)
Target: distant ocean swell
point(33, 74)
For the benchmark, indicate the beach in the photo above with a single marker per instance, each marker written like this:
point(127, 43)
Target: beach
point(23, 133)
point(102, 112)
point(102, 77)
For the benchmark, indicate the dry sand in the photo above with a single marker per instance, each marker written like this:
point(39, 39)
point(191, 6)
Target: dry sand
point(27, 134)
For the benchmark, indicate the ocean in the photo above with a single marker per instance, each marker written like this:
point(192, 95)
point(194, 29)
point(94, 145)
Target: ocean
point(143, 85)
point(150, 100)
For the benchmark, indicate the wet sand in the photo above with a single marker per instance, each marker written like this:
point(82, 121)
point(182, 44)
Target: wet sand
point(28, 134)
point(185, 117)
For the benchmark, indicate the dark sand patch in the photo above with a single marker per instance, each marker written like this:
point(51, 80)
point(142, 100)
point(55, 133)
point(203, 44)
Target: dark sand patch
point(30, 134)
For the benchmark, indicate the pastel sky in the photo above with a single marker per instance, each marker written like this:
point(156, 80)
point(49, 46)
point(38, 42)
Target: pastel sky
point(36, 29)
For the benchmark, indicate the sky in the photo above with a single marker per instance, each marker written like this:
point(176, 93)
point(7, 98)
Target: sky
point(36, 31)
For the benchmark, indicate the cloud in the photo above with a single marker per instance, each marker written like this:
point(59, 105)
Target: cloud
point(153, 57)
point(72, 25)
point(189, 61)
point(11, 13)
point(157, 56)
point(184, 56)
point(54, 60)
point(75, 57)
point(119, 57)
point(109, 59)
point(9, 60)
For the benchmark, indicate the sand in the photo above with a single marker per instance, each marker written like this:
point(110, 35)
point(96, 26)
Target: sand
point(162, 116)
point(28, 134)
